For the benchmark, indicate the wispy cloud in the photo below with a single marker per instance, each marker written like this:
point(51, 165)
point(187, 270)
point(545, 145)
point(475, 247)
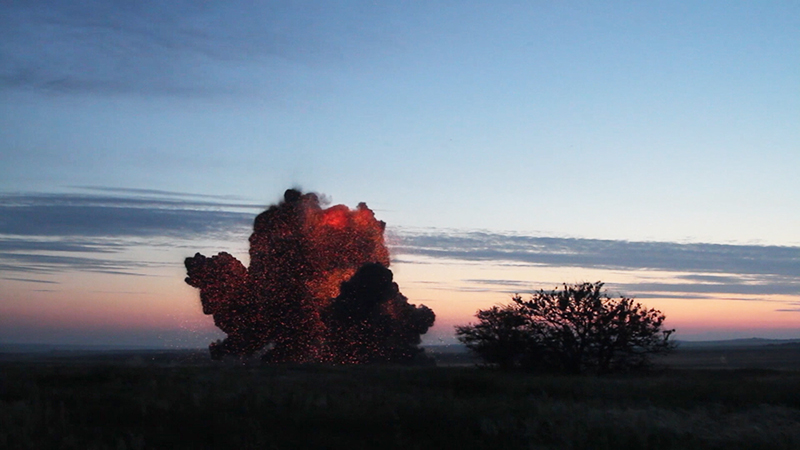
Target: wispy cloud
point(742, 286)
point(624, 255)
point(115, 215)
point(62, 244)
point(792, 307)
point(50, 233)
point(494, 282)
point(163, 194)
point(696, 271)
point(176, 48)
point(47, 264)
point(30, 280)
point(767, 286)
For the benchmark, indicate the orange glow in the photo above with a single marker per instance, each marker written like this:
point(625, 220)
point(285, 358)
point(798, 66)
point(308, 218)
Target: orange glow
point(335, 216)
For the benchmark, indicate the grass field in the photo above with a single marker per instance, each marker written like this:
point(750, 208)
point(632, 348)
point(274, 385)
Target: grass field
point(150, 399)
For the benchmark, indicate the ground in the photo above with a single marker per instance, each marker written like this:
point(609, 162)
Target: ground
point(698, 398)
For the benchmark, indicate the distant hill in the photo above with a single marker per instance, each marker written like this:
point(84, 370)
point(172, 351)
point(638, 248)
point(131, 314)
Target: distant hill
point(749, 342)
point(430, 349)
point(449, 348)
point(49, 348)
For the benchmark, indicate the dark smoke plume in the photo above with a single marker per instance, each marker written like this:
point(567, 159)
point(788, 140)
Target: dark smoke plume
point(372, 321)
point(317, 289)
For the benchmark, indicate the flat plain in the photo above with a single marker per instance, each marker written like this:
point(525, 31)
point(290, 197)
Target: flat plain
point(745, 397)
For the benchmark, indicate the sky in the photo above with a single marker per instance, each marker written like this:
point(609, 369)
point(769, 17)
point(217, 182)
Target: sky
point(509, 147)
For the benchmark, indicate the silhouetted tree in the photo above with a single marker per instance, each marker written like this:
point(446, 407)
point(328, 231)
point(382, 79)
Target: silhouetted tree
point(575, 329)
point(504, 336)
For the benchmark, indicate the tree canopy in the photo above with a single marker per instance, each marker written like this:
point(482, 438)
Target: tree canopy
point(578, 328)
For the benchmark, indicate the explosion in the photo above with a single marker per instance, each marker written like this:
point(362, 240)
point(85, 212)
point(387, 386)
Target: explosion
point(318, 289)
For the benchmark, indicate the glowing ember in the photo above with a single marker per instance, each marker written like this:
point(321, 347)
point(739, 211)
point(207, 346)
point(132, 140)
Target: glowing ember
point(289, 303)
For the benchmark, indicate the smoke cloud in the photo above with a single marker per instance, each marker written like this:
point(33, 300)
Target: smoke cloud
point(318, 289)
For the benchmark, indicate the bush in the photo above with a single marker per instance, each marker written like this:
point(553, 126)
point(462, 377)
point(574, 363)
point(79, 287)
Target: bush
point(575, 329)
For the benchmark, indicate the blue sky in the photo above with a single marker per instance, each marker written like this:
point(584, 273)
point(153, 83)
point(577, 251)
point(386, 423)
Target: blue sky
point(634, 132)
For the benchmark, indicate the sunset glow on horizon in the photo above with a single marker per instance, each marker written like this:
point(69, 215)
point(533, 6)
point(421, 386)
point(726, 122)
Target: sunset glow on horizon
point(509, 147)
point(154, 307)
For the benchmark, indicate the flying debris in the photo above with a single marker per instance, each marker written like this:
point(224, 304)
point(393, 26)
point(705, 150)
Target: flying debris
point(318, 289)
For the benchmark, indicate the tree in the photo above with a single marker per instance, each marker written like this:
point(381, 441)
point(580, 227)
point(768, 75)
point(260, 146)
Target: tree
point(502, 336)
point(575, 329)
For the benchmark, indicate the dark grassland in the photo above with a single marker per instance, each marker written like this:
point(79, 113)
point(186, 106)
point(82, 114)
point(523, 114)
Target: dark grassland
point(139, 400)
